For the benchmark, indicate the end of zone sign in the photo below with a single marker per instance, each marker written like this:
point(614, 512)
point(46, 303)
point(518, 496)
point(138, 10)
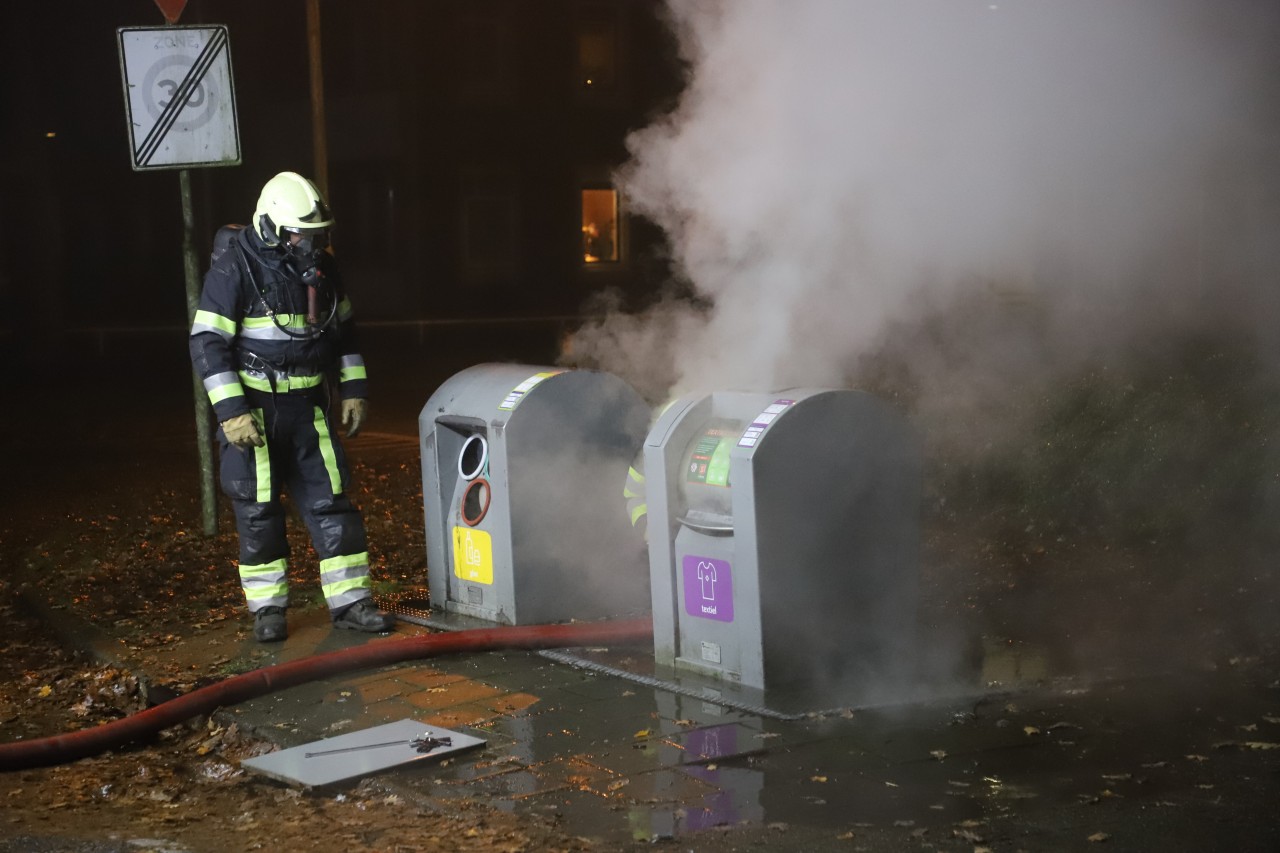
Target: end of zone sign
point(179, 97)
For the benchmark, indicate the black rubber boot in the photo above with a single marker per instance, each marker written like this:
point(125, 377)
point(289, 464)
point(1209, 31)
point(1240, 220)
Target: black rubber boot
point(269, 625)
point(364, 615)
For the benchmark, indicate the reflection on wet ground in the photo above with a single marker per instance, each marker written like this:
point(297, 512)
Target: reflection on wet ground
point(1018, 751)
point(622, 760)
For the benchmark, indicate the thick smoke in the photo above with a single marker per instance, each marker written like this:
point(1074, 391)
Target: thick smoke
point(975, 201)
point(836, 167)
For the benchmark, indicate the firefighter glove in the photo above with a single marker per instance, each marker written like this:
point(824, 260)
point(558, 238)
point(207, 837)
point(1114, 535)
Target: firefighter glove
point(354, 411)
point(242, 431)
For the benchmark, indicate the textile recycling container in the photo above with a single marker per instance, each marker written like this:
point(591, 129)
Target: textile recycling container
point(523, 469)
point(784, 539)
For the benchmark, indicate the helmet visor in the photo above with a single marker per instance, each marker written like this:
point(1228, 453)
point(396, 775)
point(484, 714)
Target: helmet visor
point(306, 241)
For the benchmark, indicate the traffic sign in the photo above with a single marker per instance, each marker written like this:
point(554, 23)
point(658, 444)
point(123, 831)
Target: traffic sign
point(179, 96)
point(171, 9)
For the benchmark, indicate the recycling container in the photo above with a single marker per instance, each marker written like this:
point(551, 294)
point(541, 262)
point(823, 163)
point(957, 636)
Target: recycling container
point(523, 469)
point(784, 538)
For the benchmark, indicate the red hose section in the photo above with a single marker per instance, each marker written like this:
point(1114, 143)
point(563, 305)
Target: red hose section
point(46, 752)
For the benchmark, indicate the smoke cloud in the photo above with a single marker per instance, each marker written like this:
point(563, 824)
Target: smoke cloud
point(837, 167)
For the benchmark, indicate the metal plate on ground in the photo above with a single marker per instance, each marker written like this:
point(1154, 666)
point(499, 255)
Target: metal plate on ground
point(356, 754)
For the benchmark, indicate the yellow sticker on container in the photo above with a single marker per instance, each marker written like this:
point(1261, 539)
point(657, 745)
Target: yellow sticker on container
point(473, 555)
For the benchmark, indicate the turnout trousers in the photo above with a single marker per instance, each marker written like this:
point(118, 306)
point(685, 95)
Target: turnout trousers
point(302, 456)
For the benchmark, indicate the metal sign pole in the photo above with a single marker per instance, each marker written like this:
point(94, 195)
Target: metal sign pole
point(180, 112)
point(204, 412)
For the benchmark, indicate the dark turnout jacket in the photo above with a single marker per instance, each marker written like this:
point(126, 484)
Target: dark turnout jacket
point(251, 337)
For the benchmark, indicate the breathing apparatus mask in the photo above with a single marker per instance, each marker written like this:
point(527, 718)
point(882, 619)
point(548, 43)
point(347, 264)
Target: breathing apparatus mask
point(293, 216)
point(303, 249)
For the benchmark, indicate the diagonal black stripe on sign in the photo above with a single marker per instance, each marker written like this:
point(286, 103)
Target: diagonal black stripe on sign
point(181, 96)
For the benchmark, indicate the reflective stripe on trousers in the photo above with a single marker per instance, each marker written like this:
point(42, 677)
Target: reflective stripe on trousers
point(304, 458)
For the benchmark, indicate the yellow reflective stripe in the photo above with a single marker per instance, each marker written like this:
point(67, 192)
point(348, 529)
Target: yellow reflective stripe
point(258, 593)
point(327, 451)
point(345, 561)
point(255, 383)
point(292, 321)
point(225, 392)
point(640, 510)
point(262, 461)
point(333, 590)
point(284, 384)
point(346, 374)
point(207, 321)
point(265, 582)
point(344, 309)
point(636, 478)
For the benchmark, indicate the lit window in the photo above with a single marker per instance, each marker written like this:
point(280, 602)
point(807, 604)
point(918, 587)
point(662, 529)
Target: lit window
point(599, 226)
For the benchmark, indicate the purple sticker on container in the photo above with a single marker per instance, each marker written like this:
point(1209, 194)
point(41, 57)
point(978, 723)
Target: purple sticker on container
point(708, 588)
point(761, 422)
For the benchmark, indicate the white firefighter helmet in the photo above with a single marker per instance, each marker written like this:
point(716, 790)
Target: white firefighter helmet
point(290, 201)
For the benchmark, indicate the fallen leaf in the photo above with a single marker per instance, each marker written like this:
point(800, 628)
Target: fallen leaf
point(817, 778)
point(1098, 837)
point(1031, 730)
point(45, 691)
point(939, 754)
point(1196, 757)
point(642, 733)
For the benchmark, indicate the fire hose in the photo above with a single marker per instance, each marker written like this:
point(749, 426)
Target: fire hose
point(59, 749)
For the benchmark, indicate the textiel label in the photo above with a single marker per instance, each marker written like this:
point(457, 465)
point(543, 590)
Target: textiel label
point(708, 588)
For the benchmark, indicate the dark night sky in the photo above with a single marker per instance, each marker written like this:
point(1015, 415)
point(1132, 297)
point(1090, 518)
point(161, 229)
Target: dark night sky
point(73, 208)
point(89, 242)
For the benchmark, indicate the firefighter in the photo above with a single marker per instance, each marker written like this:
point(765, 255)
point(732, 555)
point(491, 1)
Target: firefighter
point(272, 339)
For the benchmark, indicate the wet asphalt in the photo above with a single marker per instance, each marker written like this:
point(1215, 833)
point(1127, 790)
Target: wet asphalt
point(1008, 755)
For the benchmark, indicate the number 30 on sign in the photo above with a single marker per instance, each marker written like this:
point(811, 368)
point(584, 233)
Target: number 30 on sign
point(179, 97)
